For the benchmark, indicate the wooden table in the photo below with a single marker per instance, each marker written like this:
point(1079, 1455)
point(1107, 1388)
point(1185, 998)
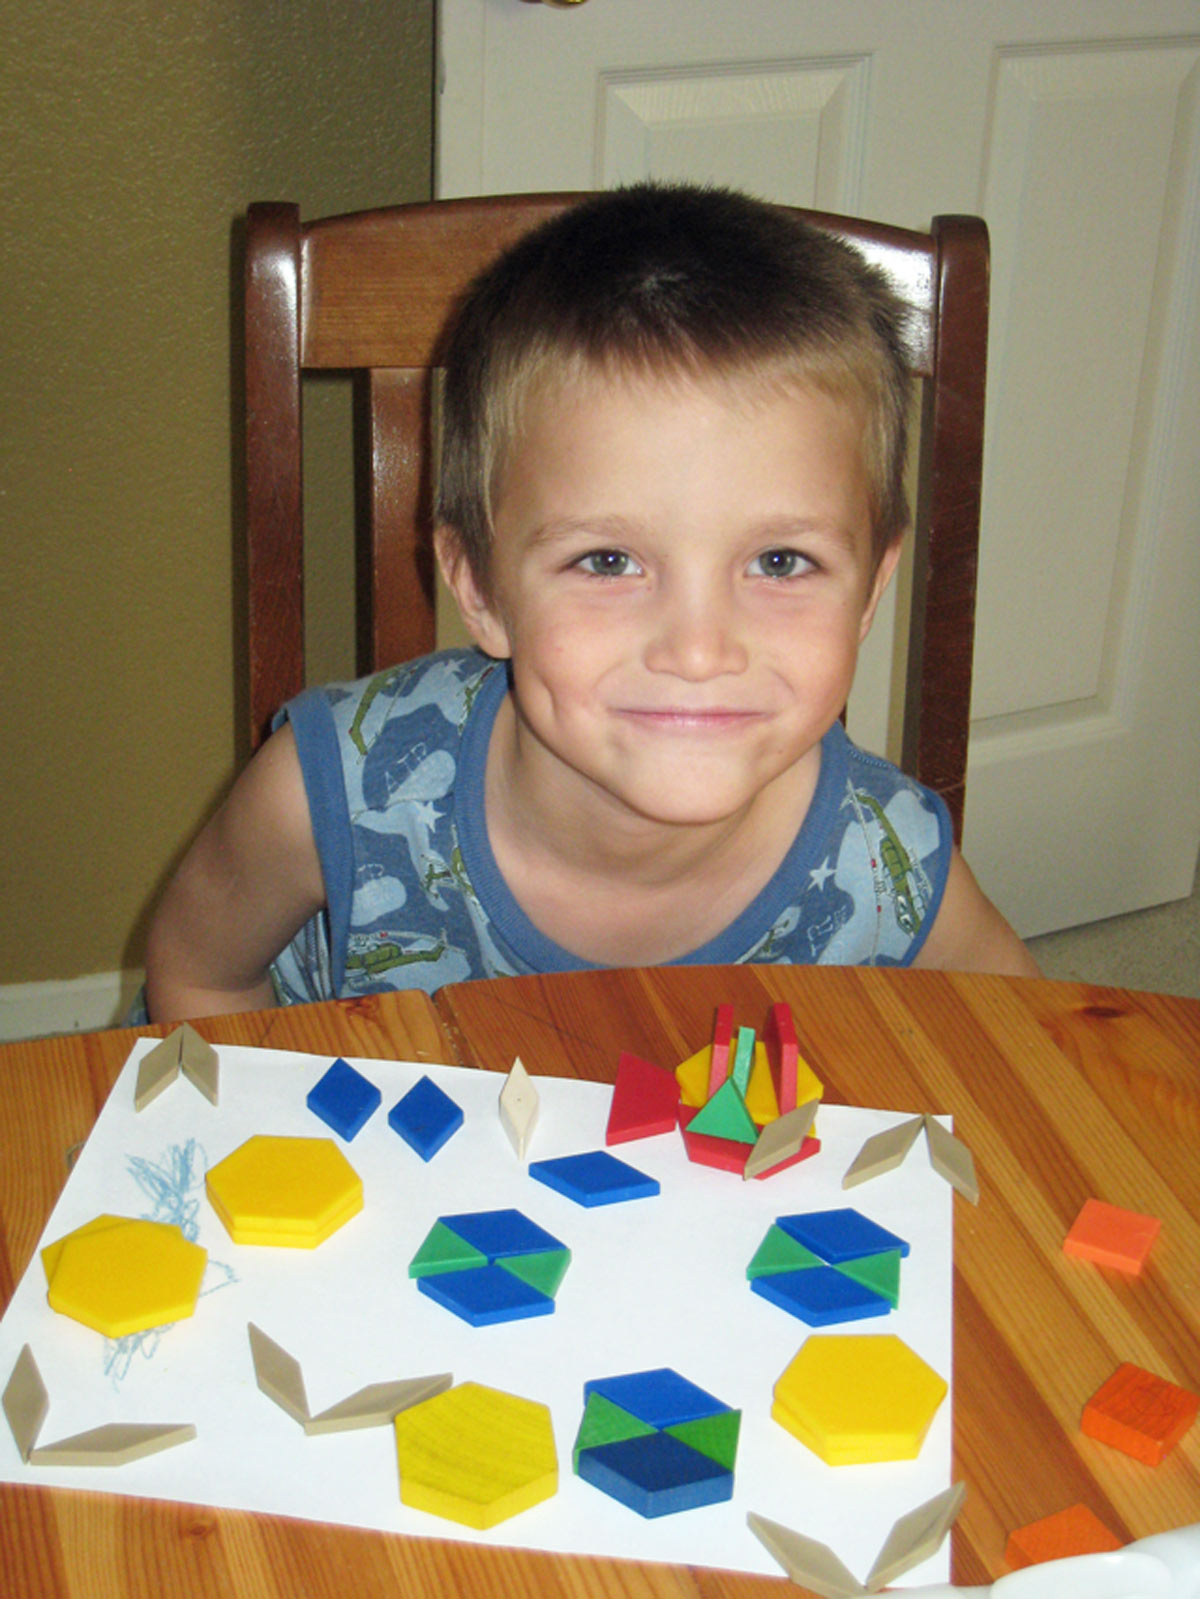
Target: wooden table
point(1061, 1091)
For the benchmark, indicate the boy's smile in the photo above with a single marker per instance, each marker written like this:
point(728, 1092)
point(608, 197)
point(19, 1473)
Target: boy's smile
point(681, 575)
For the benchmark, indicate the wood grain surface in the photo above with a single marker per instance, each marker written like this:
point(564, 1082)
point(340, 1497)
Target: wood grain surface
point(1061, 1091)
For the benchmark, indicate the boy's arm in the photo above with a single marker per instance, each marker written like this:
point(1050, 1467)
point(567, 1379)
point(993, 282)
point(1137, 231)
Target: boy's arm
point(969, 934)
point(245, 887)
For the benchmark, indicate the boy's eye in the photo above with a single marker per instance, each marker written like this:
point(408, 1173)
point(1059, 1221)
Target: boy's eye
point(779, 563)
point(607, 563)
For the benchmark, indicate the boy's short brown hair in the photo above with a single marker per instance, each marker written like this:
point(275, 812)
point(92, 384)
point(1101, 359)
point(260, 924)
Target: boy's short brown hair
point(670, 280)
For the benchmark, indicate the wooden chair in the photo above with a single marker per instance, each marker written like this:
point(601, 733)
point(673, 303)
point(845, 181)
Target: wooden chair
point(370, 292)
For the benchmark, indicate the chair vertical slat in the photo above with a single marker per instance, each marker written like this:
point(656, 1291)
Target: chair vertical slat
point(942, 625)
point(399, 589)
point(275, 556)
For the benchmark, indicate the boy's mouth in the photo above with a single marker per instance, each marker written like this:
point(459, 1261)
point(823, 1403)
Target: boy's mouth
point(690, 719)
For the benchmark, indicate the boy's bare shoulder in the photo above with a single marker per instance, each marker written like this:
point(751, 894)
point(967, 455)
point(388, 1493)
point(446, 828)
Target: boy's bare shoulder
point(969, 934)
point(249, 882)
point(268, 802)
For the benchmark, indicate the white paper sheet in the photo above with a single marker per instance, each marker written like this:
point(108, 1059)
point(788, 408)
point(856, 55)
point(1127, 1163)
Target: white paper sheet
point(653, 1282)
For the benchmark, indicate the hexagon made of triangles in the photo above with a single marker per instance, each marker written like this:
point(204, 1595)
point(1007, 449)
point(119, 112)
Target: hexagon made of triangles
point(854, 1399)
point(476, 1455)
point(121, 1275)
point(292, 1192)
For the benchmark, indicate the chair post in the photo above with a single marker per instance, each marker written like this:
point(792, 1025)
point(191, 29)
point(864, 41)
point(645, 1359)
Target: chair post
point(274, 509)
point(938, 697)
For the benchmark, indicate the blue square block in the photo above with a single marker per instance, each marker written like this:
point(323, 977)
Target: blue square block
point(425, 1118)
point(485, 1295)
point(820, 1295)
point(661, 1398)
point(656, 1475)
point(344, 1100)
point(838, 1235)
point(597, 1178)
point(496, 1233)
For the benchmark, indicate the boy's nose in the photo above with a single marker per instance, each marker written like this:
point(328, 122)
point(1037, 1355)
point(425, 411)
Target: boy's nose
point(697, 638)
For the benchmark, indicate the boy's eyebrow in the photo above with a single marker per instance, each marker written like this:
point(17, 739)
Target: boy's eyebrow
point(620, 530)
point(796, 529)
point(615, 529)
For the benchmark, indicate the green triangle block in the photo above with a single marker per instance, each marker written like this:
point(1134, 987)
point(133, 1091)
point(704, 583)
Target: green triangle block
point(725, 1116)
point(780, 1252)
point(880, 1272)
point(544, 1270)
point(444, 1250)
point(714, 1436)
point(606, 1423)
point(743, 1060)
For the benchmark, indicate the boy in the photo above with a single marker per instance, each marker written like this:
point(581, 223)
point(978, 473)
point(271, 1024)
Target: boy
point(670, 500)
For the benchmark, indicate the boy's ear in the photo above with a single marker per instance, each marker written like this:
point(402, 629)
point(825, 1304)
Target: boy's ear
point(884, 573)
point(475, 605)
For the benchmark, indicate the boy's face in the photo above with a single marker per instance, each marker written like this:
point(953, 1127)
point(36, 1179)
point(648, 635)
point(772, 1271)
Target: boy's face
point(682, 576)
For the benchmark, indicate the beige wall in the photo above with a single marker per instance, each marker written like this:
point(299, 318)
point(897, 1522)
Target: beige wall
point(132, 136)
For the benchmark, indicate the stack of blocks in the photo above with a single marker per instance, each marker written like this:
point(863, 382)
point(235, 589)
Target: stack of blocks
point(828, 1266)
point(289, 1192)
point(119, 1275)
point(490, 1266)
point(656, 1442)
point(742, 1105)
point(855, 1400)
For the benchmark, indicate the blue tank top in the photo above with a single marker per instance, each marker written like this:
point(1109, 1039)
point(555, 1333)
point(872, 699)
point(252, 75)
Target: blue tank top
point(394, 770)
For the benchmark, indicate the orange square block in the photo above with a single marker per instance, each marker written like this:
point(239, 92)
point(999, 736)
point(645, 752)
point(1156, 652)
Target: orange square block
point(1143, 1415)
point(1075, 1531)
point(1111, 1236)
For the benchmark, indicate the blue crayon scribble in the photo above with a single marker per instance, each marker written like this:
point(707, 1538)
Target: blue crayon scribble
point(174, 1186)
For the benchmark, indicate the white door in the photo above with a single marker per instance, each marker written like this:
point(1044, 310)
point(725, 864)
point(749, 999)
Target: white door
point(1075, 130)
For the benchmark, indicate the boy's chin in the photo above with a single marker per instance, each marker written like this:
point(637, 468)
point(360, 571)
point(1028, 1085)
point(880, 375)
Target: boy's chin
point(691, 805)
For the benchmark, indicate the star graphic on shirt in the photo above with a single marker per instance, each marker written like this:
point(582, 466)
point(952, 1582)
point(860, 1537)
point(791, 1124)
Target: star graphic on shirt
point(820, 875)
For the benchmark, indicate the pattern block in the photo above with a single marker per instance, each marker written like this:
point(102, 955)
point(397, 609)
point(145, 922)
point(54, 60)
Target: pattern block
point(289, 1192)
point(644, 1103)
point(426, 1118)
point(1110, 1236)
point(843, 1234)
point(828, 1267)
point(490, 1266)
point(656, 1442)
point(475, 1455)
point(605, 1423)
point(486, 1294)
point(1074, 1531)
point(857, 1399)
point(1139, 1413)
point(120, 1275)
point(344, 1099)
point(822, 1296)
point(596, 1178)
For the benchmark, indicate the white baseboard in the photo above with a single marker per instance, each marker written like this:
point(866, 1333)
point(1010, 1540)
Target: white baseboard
point(79, 1004)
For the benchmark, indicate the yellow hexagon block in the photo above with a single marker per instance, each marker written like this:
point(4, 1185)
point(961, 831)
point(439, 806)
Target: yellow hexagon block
point(475, 1455)
point(293, 1192)
point(855, 1399)
point(120, 1275)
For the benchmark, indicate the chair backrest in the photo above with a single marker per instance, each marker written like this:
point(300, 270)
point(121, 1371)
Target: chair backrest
point(370, 292)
